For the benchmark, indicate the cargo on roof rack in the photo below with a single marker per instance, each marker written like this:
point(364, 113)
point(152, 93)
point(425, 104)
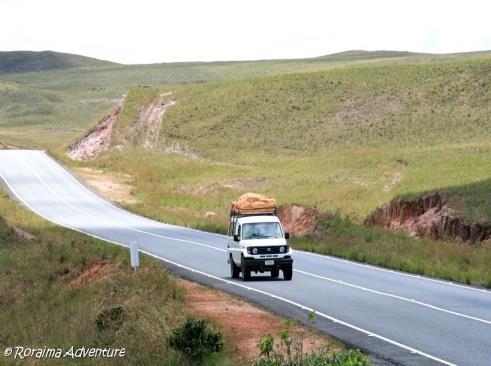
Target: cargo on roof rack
point(253, 204)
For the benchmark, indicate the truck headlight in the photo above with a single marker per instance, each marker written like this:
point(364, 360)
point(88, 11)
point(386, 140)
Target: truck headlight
point(254, 250)
point(282, 249)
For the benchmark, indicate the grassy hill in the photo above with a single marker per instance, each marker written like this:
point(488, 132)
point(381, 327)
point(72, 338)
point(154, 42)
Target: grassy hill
point(346, 133)
point(366, 55)
point(346, 139)
point(351, 139)
point(69, 101)
point(24, 61)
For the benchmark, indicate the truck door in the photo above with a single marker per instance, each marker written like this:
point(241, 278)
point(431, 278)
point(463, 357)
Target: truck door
point(236, 250)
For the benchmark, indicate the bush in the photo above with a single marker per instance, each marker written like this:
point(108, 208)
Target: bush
point(349, 358)
point(110, 319)
point(195, 339)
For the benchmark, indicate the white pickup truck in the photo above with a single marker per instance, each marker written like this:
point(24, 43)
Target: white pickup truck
point(257, 243)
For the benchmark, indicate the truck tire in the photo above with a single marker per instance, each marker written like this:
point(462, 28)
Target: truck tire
point(246, 274)
point(287, 273)
point(234, 270)
point(275, 272)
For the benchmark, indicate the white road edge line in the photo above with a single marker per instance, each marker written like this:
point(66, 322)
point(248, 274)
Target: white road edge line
point(393, 296)
point(340, 282)
point(36, 174)
point(303, 307)
point(324, 256)
point(393, 271)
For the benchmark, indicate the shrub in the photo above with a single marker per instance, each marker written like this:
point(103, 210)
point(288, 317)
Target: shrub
point(110, 319)
point(195, 339)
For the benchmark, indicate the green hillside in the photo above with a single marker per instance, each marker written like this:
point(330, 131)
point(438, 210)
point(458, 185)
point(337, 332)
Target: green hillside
point(24, 61)
point(346, 136)
point(366, 55)
point(396, 106)
point(348, 139)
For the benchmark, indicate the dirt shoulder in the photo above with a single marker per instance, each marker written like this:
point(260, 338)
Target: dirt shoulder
point(244, 323)
point(117, 188)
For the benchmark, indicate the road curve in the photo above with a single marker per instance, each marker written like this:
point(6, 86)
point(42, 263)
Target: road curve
point(399, 318)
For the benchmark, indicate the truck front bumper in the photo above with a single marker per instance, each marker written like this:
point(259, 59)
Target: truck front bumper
point(260, 264)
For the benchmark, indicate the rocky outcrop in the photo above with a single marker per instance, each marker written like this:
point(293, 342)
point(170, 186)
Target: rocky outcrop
point(429, 217)
point(96, 140)
point(298, 220)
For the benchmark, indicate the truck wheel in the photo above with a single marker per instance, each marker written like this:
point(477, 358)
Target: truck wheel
point(234, 270)
point(287, 273)
point(275, 272)
point(246, 274)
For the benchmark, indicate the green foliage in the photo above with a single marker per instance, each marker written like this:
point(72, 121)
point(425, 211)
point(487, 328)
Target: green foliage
point(195, 339)
point(346, 358)
point(266, 346)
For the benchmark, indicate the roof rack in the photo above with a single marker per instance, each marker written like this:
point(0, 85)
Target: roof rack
point(235, 213)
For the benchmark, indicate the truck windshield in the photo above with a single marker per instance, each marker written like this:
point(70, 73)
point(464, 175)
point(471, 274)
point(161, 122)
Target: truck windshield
point(261, 230)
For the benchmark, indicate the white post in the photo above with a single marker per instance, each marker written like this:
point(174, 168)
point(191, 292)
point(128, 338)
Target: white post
point(135, 261)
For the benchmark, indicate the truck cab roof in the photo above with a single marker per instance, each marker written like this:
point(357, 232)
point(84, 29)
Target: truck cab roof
point(257, 218)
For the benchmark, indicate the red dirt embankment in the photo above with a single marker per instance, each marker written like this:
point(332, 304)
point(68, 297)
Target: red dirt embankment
point(144, 131)
point(298, 220)
point(429, 217)
point(96, 140)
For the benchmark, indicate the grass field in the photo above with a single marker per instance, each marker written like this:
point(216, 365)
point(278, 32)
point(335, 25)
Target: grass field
point(345, 133)
point(44, 302)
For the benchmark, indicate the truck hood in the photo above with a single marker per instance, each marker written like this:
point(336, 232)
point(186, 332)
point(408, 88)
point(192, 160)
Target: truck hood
point(263, 242)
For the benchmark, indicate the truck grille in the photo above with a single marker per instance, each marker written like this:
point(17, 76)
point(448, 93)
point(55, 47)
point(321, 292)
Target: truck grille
point(268, 250)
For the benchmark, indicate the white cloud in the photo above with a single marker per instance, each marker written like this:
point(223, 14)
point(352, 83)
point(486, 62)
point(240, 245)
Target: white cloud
point(155, 31)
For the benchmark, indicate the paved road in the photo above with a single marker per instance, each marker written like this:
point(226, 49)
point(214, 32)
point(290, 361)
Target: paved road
point(397, 317)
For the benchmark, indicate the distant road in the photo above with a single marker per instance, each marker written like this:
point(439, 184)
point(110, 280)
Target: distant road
point(397, 317)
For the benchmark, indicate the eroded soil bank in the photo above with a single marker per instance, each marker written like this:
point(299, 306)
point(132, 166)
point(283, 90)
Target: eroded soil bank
point(96, 140)
point(430, 217)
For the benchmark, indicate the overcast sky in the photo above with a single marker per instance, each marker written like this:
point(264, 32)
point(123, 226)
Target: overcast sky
point(147, 31)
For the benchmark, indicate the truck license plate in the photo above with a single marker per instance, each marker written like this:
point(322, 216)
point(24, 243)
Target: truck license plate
point(268, 263)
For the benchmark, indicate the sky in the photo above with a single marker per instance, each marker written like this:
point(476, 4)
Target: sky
point(151, 31)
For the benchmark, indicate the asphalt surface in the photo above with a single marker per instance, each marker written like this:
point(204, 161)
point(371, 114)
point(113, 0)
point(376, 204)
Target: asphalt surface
point(397, 317)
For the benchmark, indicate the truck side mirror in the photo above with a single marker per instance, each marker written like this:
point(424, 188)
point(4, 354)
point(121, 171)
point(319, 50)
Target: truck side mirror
point(287, 235)
point(236, 237)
